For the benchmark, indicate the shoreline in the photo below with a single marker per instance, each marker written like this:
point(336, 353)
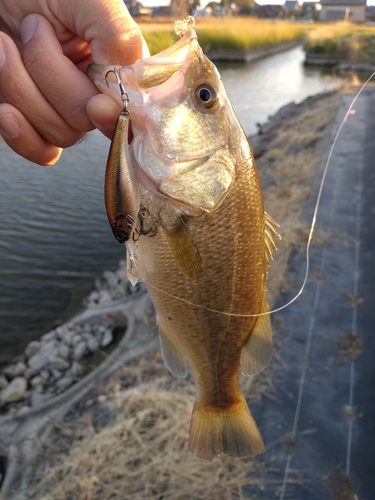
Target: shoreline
point(246, 56)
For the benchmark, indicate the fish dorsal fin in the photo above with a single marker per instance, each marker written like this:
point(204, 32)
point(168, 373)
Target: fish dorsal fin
point(184, 250)
point(270, 233)
point(258, 351)
point(174, 360)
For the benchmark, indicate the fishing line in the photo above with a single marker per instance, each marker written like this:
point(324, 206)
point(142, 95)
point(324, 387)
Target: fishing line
point(349, 112)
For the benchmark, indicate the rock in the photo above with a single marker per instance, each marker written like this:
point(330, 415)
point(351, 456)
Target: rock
point(42, 357)
point(65, 382)
point(48, 336)
point(56, 374)
point(64, 350)
point(15, 391)
point(32, 348)
point(107, 338)
point(93, 298)
point(76, 369)
point(30, 373)
point(23, 410)
point(13, 371)
point(45, 375)
point(105, 296)
point(79, 350)
point(3, 382)
point(37, 399)
point(92, 343)
point(76, 339)
point(36, 381)
point(67, 336)
point(57, 363)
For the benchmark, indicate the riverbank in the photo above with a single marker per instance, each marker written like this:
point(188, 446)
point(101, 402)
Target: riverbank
point(226, 55)
point(343, 45)
point(91, 449)
point(229, 35)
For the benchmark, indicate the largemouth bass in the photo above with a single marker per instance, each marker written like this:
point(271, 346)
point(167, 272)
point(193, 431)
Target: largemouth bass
point(200, 238)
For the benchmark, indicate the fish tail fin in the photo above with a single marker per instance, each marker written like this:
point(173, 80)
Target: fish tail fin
point(232, 431)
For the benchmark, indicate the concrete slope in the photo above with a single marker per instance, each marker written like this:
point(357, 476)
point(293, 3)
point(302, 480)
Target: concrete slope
point(320, 423)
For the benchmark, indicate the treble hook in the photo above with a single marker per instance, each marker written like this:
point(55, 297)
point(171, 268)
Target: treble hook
point(124, 94)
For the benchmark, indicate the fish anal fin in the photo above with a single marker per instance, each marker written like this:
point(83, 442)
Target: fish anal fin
point(174, 360)
point(184, 250)
point(258, 351)
point(232, 431)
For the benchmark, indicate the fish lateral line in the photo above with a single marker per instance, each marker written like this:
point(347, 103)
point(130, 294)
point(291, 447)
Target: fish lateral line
point(349, 112)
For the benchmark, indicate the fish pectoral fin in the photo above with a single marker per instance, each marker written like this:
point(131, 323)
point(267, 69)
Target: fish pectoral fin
point(184, 250)
point(258, 351)
point(174, 360)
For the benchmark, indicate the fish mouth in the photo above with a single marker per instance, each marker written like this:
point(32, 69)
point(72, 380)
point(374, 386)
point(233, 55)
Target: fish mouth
point(145, 73)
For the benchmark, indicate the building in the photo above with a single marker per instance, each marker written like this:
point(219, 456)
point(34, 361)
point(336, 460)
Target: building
point(310, 10)
point(267, 11)
point(340, 10)
point(291, 5)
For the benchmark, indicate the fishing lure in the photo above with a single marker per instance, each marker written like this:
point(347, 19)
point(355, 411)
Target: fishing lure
point(120, 188)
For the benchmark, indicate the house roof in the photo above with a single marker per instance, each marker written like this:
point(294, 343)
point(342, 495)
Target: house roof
point(290, 4)
point(344, 3)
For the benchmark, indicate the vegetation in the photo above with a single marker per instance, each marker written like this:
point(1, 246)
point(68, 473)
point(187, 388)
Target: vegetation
point(234, 33)
point(354, 43)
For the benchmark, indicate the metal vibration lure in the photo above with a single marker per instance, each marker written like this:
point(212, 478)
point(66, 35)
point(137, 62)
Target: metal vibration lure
point(121, 187)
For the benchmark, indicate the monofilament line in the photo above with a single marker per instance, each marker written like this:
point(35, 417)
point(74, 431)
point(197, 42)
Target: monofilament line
point(312, 228)
point(312, 318)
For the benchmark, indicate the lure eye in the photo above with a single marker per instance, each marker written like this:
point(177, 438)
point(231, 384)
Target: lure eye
point(206, 96)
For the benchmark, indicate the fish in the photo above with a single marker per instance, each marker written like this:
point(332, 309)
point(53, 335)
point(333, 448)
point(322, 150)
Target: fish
point(201, 241)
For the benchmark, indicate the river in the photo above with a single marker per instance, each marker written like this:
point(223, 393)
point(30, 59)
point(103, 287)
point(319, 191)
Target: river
point(54, 235)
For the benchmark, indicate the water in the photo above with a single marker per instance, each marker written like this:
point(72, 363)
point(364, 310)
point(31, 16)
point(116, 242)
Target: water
point(54, 235)
point(257, 90)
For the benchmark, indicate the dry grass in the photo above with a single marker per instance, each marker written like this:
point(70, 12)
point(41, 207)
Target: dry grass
point(288, 170)
point(130, 440)
point(352, 42)
point(234, 33)
point(142, 453)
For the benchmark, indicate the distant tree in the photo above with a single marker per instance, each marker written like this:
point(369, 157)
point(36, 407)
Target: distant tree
point(245, 6)
point(182, 8)
point(193, 4)
point(224, 4)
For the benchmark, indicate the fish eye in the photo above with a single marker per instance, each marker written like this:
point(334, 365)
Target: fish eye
point(206, 95)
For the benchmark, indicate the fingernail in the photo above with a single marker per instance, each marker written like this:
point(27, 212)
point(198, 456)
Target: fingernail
point(3, 55)
point(9, 126)
point(28, 28)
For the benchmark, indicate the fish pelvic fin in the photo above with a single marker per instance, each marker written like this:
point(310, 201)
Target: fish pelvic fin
point(232, 431)
point(258, 351)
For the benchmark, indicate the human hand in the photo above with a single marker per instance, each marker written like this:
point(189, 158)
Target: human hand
point(45, 48)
